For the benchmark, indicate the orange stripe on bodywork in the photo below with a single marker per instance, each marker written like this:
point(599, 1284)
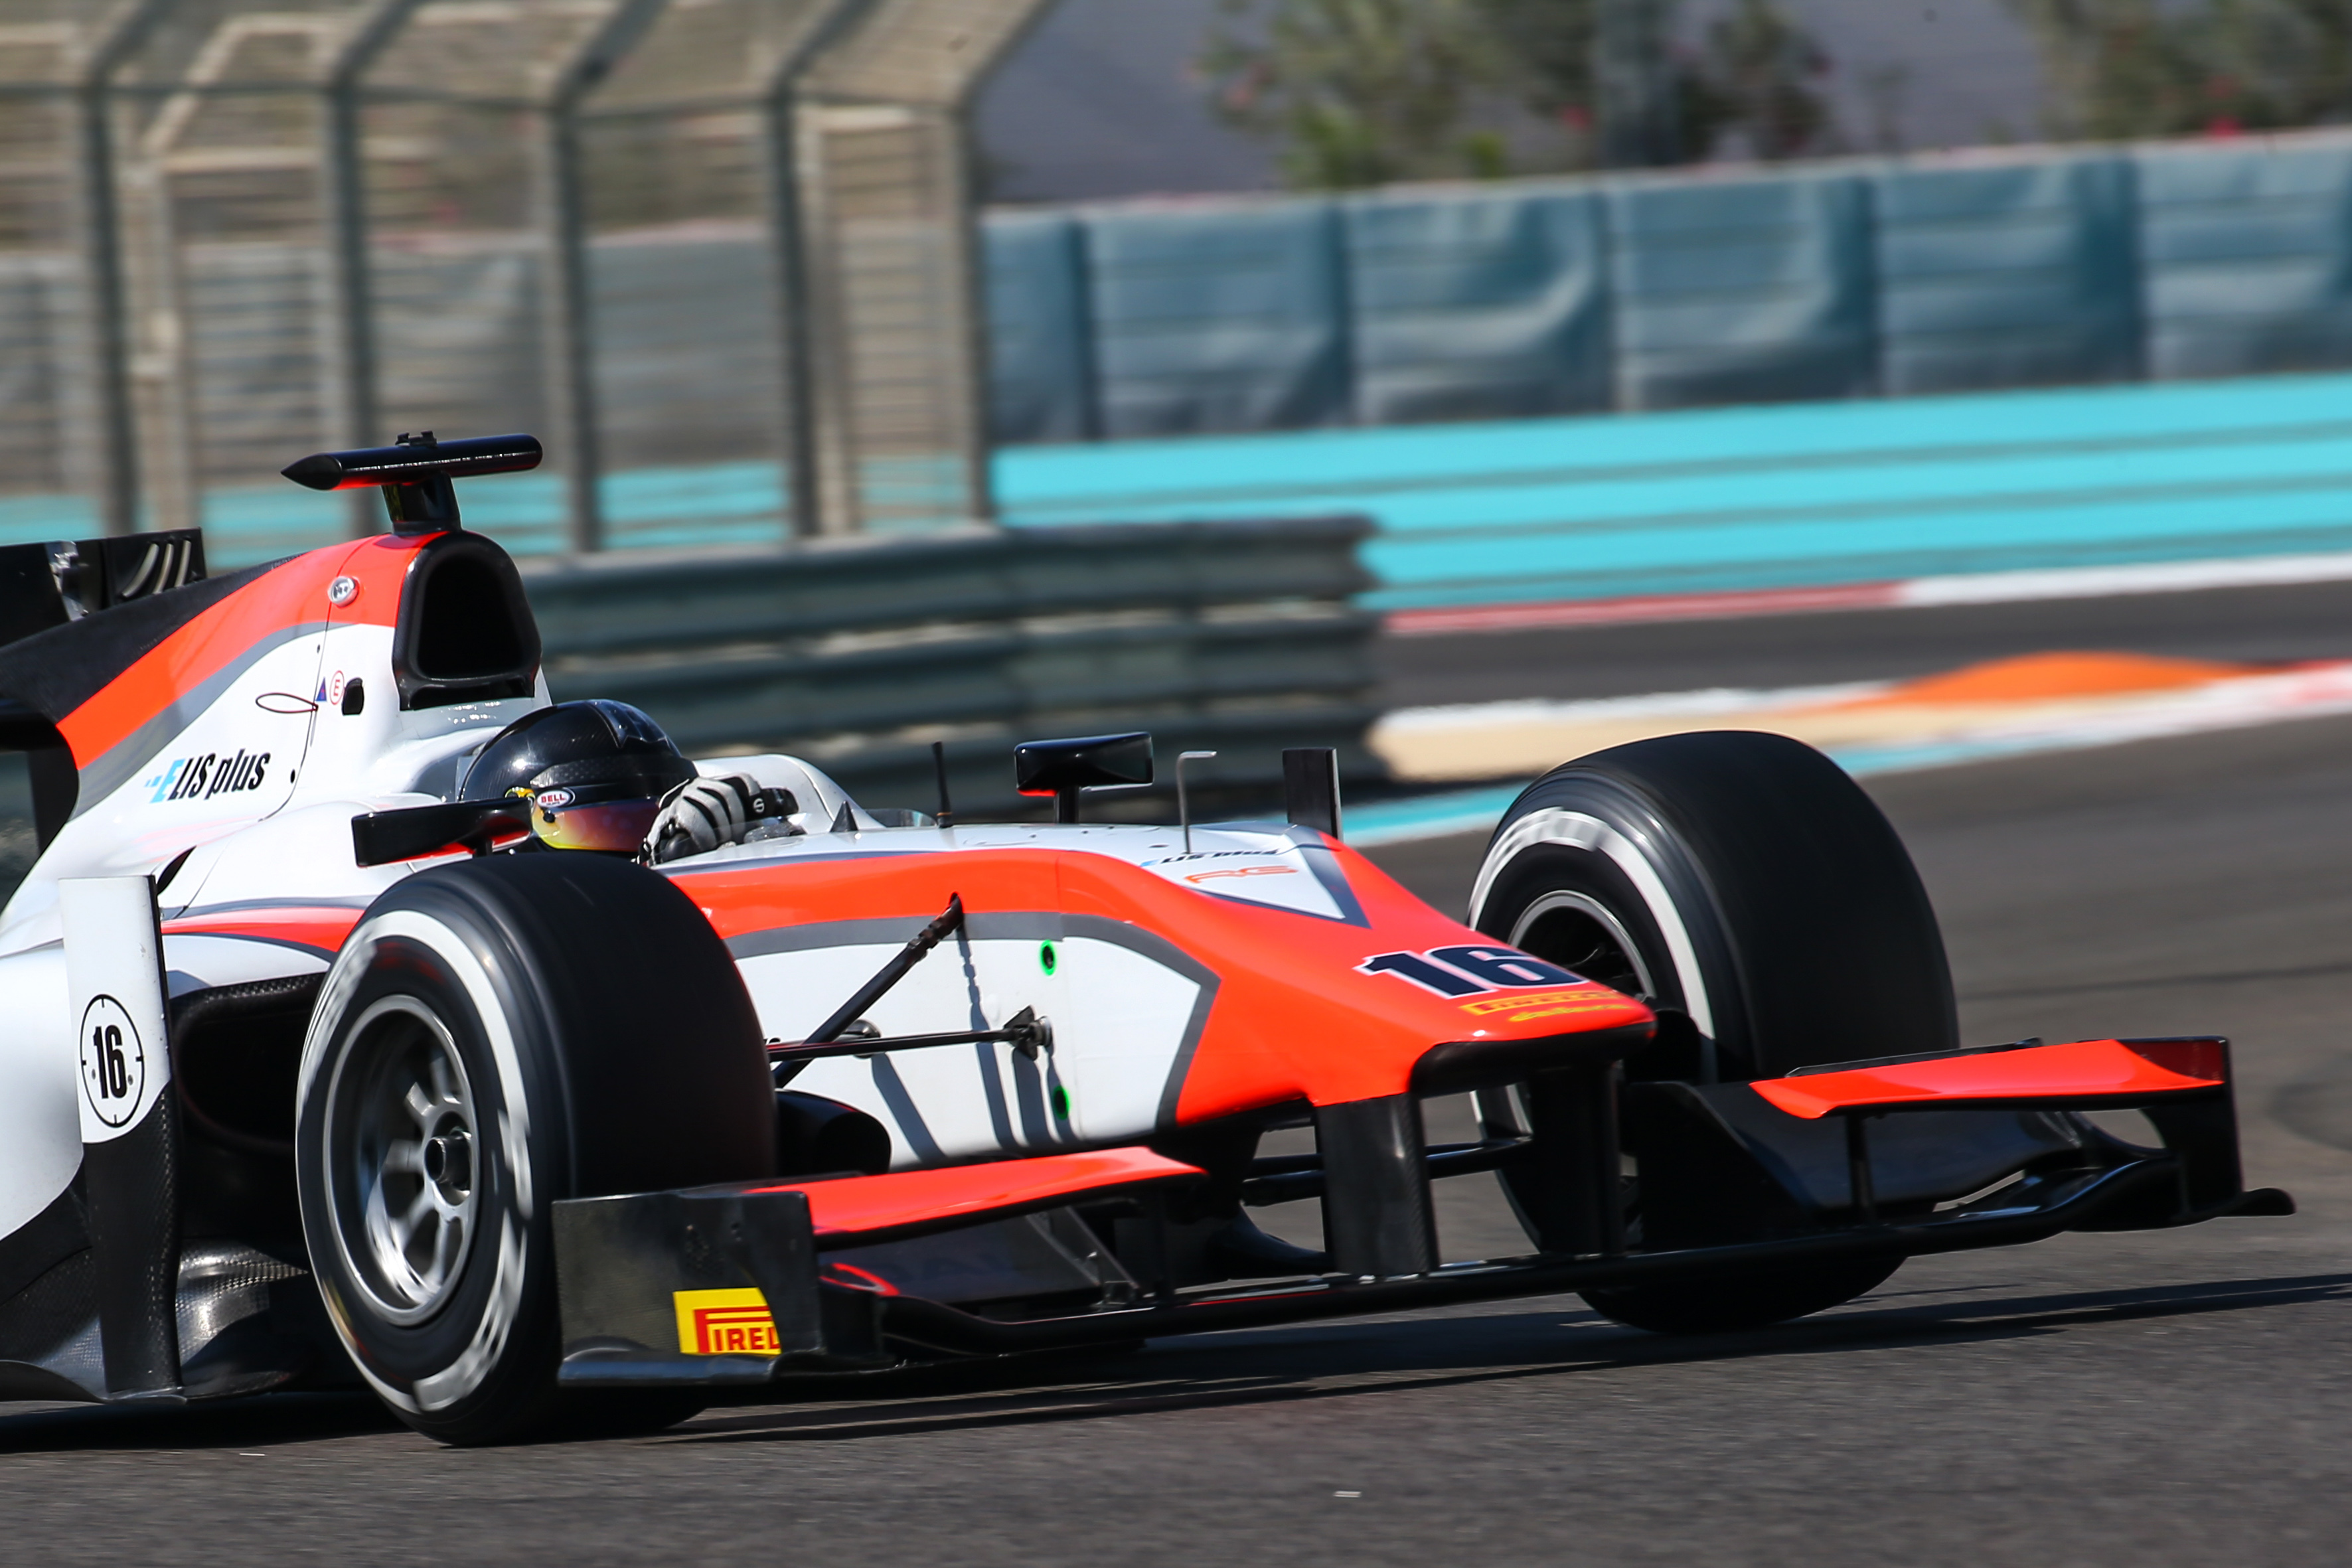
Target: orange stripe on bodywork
point(322, 930)
point(1293, 1018)
point(288, 597)
point(901, 1201)
point(2081, 1072)
point(378, 567)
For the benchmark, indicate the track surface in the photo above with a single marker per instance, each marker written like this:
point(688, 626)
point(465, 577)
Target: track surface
point(2174, 1398)
point(2310, 620)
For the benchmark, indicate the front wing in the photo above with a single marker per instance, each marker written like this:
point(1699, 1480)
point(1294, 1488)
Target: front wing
point(742, 1283)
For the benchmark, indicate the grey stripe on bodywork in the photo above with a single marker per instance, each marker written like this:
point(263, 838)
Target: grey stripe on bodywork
point(1014, 927)
point(113, 769)
point(1019, 926)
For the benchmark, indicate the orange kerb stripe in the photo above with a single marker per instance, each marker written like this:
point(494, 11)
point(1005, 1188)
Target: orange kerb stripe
point(2054, 677)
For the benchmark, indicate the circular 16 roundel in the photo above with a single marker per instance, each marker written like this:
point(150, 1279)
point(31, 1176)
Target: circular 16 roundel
point(113, 1062)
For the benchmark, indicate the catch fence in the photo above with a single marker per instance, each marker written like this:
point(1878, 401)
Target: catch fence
point(235, 231)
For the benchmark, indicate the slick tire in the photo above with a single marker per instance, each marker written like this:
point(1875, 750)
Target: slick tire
point(1739, 879)
point(1748, 889)
point(1752, 1299)
point(494, 1037)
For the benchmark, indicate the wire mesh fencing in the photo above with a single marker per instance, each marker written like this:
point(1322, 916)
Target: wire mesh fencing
point(233, 232)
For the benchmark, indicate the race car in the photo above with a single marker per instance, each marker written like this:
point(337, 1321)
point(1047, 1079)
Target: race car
point(370, 1017)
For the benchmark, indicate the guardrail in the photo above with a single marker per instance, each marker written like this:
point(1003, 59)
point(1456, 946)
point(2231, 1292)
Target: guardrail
point(1240, 637)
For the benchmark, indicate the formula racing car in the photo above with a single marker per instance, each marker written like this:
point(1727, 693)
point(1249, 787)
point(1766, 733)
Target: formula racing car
point(369, 1017)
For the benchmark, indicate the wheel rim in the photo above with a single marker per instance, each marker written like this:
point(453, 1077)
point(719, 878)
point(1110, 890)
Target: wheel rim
point(403, 1156)
point(1578, 932)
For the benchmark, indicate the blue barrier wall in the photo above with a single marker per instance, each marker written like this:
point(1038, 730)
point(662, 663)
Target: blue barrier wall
point(1041, 360)
point(1228, 318)
point(1783, 496)
point(1744, 292)
point(2247, 259)
point(1457, 309)
point(2022, 276)
point(2035, 268)
point(1477, 307)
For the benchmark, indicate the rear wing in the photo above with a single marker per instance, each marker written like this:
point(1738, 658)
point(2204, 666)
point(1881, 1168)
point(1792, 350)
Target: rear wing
point(44, 586)
point(47, 585)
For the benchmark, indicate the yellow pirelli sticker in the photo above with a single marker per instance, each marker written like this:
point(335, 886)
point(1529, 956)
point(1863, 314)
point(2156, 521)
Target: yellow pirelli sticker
point(724, 1322)
point(1557, 1010)
point(1583, 996)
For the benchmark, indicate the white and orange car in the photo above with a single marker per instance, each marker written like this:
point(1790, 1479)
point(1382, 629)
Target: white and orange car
point(316, 1065)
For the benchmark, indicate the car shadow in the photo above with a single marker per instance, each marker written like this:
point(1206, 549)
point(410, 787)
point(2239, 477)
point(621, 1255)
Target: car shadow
point(268, 1420)
point(1348, 1359)
point(1325, 1361)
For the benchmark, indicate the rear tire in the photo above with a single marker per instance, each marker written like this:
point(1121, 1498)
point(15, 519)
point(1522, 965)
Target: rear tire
point(1744, 882)
point(494, 1037)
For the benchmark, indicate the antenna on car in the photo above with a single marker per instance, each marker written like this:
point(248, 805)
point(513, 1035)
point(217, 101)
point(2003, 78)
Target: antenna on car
point(939, 766)
point(415, 474)
point(1183, 801)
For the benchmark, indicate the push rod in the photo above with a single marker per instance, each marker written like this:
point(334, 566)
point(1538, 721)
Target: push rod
point(1026, 1030)
point(948, 921)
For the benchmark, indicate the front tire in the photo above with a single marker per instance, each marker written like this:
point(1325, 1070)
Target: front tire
point(494, 1037)
point(1748, 889)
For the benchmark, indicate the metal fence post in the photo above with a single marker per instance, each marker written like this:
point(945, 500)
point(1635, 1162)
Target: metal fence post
point(342, 193)
point(819, 26)
point(102, 253)
point(889, 262)
point(1632, 81)
point(571, 353)
point(165, 358)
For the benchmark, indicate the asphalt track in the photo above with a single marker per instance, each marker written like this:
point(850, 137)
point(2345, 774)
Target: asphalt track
point(2303, 621)
point(2155, 1399)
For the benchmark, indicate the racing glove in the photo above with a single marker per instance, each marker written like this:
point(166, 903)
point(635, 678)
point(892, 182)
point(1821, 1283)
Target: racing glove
point(700, 814)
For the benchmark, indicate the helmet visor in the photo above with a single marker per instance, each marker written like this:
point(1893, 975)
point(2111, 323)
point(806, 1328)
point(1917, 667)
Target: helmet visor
point(613, 826)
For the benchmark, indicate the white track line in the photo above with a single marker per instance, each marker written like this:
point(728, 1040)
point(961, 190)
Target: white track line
point(2098, 581)
point(2240, 703)
point(1913, 593)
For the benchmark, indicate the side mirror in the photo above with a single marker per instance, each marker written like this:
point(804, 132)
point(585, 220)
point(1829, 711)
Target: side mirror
point(1063, 768)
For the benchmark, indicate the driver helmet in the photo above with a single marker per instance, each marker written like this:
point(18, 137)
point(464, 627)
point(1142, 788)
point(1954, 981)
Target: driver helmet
point(594, 772)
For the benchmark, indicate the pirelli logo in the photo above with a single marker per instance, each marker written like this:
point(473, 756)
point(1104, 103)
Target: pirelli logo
point(724, 1322)
point(1544, 1003)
